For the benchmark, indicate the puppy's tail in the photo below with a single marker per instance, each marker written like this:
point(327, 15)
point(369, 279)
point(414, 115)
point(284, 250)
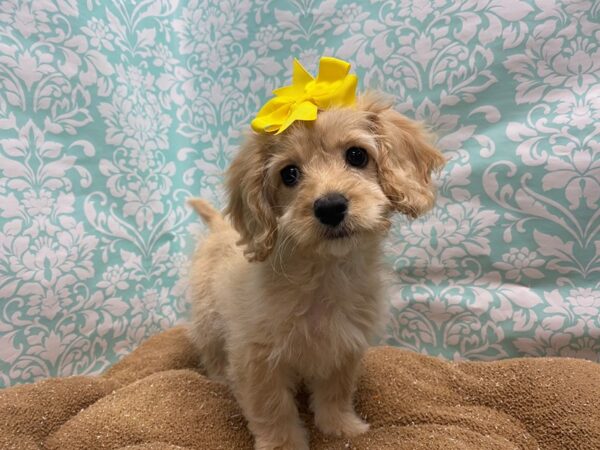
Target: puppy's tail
point(210, 215)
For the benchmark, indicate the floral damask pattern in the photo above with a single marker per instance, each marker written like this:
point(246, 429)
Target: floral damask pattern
point(111, 114)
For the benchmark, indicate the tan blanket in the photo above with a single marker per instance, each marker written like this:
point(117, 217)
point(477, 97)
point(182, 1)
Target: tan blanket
point(155, 399)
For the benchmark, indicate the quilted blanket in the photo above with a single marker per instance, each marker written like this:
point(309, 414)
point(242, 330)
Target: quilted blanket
point(156, 398)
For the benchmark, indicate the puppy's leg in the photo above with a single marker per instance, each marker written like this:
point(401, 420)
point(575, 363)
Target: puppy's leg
point(331, 402)
point(266, 396)
point(209, 340)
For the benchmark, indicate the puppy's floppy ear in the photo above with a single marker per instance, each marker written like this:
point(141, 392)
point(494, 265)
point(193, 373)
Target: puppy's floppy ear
point(407, 158)
point(249, 206)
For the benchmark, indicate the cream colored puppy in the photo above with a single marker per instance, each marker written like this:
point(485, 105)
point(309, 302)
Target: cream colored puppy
point(291, 290)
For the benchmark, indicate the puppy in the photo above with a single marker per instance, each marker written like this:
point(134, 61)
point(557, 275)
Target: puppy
point(289, 290)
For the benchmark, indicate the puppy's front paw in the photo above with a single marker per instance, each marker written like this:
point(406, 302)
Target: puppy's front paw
point(287, 446)
point(346, 424)
point(268, 445)
point(296, 440)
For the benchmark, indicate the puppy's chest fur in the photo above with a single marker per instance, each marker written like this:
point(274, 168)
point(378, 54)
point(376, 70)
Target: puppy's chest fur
point(329, 318)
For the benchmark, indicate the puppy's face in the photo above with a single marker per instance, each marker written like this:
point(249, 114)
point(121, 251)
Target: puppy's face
point(323, 182)
point(326, 185)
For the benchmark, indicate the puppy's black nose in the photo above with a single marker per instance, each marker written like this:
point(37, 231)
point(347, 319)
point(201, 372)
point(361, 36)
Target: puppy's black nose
point(331, 209)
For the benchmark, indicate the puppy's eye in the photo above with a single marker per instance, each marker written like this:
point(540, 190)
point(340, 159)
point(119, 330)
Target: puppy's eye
point(357, 157)
point(290, 175)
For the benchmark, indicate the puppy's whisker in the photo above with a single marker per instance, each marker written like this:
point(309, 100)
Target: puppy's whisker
point(285, 250)
point(277, 258)
point(282, 249)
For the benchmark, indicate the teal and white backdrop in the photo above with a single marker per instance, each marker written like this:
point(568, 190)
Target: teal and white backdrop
point(113, 112)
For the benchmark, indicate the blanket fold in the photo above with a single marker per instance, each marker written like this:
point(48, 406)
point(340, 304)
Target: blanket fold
point(156, 399)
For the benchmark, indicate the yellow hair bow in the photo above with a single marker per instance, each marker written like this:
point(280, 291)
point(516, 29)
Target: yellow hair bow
point(333, 87)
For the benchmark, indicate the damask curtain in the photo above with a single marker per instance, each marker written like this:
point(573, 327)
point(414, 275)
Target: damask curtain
point(113, 113)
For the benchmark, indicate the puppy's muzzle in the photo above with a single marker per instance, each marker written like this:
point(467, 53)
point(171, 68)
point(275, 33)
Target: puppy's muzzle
point(331, 209)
